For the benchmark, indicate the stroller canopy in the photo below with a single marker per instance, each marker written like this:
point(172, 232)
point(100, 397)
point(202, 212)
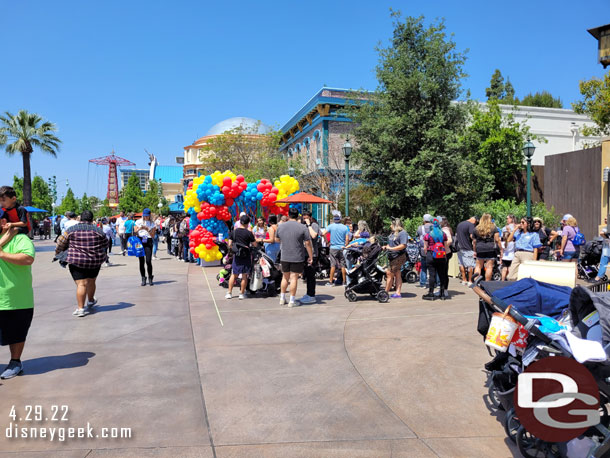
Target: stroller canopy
point(530, 297)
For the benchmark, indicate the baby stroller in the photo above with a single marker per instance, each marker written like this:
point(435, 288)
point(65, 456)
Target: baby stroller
point(588, 262)
point(409, 270)
point(366, 276)
point(265, 277)
point(323, 265)
point(227, 259)
point(576, 309)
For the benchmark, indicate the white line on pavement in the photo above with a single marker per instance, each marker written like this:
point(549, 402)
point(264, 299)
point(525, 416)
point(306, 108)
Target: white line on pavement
point(212, 294)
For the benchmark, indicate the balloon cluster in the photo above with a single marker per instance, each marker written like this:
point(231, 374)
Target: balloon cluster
point(201, 243)
point(213, 199)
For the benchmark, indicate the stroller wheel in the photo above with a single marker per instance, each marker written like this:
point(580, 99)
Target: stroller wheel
point(383, 296)
point(497, 276)
point(511, 425)
point(351, 296)
point(532, 447)
point(412, 277)
point(494, 399)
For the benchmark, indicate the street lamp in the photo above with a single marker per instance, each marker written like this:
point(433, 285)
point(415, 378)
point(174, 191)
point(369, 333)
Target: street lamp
point(528, 151)
point(347, 151)
point(291, 171)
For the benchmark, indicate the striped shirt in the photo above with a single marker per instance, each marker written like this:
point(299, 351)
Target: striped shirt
point(87, 245)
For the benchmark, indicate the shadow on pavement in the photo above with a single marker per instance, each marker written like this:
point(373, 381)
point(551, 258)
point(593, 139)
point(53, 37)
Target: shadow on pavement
point(46, 364)
point(110, 308)
point(163, 282)
point(44, 249)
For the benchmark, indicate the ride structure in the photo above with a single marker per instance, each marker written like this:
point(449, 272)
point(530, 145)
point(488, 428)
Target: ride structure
point(112, 161)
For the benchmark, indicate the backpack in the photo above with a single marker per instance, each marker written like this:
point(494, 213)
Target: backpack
point(134, 247)
point(579, 238)
point(438, 250)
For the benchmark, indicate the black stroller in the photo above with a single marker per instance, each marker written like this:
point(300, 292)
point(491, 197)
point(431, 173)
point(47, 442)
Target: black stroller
point(258, 282)
point(323, 264)
point(409, 269)
point(366, 276)
point(588, 262)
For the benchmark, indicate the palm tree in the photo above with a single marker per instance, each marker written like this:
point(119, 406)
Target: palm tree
point(20, 134)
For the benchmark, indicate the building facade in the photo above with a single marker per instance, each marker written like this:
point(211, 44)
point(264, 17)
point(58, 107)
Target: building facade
point(142, 174)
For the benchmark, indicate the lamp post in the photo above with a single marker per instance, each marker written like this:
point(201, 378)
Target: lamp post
point(291, 171)
point(528, 151)
point(347, 151)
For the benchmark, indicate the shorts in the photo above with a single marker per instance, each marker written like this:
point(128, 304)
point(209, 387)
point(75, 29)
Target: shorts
point(14, 325)
point(506, 263)
point(570, 255)
point(241, 266)
point(486, 255)
point(81, 273)
point(466, 259)
point(336, 258)
point(293, 267)
point(397, 263)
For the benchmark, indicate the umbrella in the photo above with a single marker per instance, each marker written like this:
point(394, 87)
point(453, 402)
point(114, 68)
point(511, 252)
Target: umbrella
point(303, 198)
point(35, 210)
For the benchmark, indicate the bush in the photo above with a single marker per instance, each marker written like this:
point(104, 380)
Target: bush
point(499, 209)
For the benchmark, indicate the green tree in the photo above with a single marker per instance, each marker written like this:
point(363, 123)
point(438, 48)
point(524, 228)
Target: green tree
point(131, 199)
point(21, 133)
point(18, 187)
point(84, 203)
point(499, 209)
point(407, 132)
point(41, 194)
point(595, 104)
point(104, 210)
point(541, 99)
point(509, 93)
point(495, 142)
point(153, 196)
point(69, 203)
point(496, 89)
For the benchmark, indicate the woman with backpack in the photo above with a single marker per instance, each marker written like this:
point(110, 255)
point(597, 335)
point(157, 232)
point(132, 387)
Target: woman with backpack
point(485, 240)
point(571, 240)
point(397, 255)
point(436, 247)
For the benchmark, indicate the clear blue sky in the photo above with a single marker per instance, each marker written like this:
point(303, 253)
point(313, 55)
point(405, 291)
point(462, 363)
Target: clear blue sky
point(154, 74)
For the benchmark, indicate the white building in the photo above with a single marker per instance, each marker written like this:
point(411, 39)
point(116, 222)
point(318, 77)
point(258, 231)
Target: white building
point(559, 126)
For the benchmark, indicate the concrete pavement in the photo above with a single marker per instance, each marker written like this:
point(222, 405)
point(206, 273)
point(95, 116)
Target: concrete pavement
point(334, 379)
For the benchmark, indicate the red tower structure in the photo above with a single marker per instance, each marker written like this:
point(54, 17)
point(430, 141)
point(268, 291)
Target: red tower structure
point(113, 179)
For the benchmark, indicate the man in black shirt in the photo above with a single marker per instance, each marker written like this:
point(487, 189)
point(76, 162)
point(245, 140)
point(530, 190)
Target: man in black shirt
point(239, 242)
point(463, 233)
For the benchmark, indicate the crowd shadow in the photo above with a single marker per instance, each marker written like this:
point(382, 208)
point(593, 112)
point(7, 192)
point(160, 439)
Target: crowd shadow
point(111, 308)
point(44, 364)
point(164, 282)
point(45, 248)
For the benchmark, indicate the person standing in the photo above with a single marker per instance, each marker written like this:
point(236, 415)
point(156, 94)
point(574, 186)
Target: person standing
point(239, 243)
point(397, 244)
point(603, 262)
point(87, 247)
point(463, 234)
point(57, 227)
point(46, 228)
point(129, 226)
point(110, 235)
point(310, 269)
point(157, 222)
point(546, 238)
point(145, 230)
point(338, 239)
point(527, 243)
point(121, 231)
point(485, 240)
point(17, 255)
point(421, 232)
point(295, 245)
point(568, 251)
point(272, 246)
point(437, 247)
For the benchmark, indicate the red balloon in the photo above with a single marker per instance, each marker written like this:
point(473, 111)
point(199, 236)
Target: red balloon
point(213, 211)
point(240, 178)
point(229, 202)
point(260, 187)
point(275, 190)
point(226, 181)
point(225, 189)
point(272, 196)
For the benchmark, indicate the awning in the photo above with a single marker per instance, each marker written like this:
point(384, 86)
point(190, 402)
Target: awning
point(35, 210)
point(303, 198)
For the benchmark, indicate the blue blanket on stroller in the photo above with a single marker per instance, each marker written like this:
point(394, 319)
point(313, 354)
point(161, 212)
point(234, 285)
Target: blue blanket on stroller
point(530, 297)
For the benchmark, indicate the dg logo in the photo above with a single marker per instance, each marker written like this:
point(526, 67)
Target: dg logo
point(557, 399)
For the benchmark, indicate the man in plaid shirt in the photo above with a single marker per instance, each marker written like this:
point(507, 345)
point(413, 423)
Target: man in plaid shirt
point(87, 247)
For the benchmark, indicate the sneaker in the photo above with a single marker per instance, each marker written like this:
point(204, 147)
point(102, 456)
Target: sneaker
point(242, 297)
point(469, 284)
point(124, 252)
point(396, 296)
point(228, 296)
point(81, 313)
point(428, 297)
point(13, 369)
point(306, 299)
point(329, 284)
point(463, 283)
point(282, 300)
point(108, 264)
point(155, 258)
point(92, 303)
point(75, 312)
point(295, 303)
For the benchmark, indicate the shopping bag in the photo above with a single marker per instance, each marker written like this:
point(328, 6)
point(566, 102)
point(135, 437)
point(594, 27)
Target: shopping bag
point(134, 247)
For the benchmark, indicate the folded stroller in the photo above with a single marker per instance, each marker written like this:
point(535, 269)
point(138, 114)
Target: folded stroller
point(588, 262)
point(366, 276)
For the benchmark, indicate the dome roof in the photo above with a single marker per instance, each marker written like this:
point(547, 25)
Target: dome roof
point(249, 124)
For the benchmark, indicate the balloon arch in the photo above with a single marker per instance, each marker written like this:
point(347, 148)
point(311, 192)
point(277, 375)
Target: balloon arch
point(214, 199)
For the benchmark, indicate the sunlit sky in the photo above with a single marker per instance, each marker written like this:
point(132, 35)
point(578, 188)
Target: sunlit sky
point(135, 75)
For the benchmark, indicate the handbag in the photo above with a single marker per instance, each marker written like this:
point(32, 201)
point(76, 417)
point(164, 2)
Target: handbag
point(134, 247)
point(579, 238)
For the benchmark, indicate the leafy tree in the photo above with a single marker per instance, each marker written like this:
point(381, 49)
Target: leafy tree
point(541, 99)
point(595, 104)
point(84, 203)
point(408, 131)
point(509, 92)
point(244, 151)
point(21, 133)
point(69, 203)
point(496, 89)
point(18, 187)
point(495, 142)
point(131, 199)
point(104, 210)
point(41, 194)
point(499, 209)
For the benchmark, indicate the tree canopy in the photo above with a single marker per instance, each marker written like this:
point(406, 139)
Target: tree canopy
point(131, 198)
point(541, 99)
point(595, 104)
point(69, 203)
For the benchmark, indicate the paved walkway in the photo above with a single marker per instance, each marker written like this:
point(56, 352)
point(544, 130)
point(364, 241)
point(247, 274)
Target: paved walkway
point(336, 379)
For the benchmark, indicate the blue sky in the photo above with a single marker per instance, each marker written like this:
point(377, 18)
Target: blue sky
point(156, 75)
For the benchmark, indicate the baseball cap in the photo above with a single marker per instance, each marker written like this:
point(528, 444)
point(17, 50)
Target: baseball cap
point(146, 212)
point(242, 214)
point(428, 218)
point(70, 214)
point(566, 217)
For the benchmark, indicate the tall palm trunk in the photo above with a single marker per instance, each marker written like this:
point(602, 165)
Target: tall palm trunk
point(27, 176)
